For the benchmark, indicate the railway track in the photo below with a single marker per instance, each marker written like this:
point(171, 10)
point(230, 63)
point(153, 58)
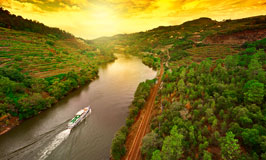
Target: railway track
point(134, 151)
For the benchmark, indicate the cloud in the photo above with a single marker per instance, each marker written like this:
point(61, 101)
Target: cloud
point(15, 6)
point(47, 5)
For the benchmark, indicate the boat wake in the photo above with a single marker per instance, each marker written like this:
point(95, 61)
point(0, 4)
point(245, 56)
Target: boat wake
point(55, 143)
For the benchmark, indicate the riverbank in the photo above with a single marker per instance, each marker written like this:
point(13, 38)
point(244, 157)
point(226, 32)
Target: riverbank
point(10, 120)
point(109, 96)
point(143, 99)
point(140, 127)
point(38, 70)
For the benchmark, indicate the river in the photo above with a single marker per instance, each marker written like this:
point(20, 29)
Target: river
point(46, 137)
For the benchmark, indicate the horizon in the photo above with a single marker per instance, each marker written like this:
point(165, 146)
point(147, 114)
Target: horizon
point(93, 19)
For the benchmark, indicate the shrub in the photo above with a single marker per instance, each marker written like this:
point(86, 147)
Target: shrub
point(254, 92)
point(150, 143)
point(177, 55)
point(51, 43)
point(118, 148)
point(18, 58)
point(229, 147)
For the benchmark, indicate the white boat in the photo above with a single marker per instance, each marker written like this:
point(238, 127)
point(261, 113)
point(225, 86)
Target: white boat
point(80, 116)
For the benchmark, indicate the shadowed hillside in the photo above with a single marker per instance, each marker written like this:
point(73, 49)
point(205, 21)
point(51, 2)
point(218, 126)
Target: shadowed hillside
point(12, 21)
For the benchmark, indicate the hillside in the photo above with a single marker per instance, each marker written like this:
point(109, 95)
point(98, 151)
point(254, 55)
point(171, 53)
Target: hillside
point(36, 70)
point(212, 101)
point(194, 40)
point(11, 21)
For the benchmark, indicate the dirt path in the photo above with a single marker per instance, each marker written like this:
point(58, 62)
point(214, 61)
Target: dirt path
point(134, 149)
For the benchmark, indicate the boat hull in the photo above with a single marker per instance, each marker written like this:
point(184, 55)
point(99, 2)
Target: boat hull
point(79, 119)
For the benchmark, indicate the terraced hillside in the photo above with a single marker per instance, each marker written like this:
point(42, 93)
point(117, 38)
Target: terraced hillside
point(36, 70)
point(44, 56)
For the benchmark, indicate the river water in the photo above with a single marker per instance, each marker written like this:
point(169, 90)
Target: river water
point(46, 137)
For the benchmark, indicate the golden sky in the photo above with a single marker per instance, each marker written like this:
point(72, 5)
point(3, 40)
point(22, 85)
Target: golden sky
point(95, 18)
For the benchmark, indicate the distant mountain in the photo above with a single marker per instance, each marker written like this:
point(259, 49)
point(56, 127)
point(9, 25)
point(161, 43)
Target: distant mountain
point(201, 31)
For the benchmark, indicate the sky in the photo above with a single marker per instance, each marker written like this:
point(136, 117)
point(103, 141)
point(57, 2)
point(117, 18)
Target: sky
point(91, 19)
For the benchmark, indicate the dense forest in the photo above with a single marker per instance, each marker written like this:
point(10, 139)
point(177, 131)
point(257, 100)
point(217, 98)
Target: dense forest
point(212, 110)
point(12, 21)
point(216, 109)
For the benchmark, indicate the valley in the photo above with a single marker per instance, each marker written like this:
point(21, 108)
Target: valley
point(207, 100)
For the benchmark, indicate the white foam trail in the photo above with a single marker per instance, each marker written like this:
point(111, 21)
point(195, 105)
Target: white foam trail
point(55, 143)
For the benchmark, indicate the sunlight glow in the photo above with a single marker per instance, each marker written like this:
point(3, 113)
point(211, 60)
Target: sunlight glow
point(104, 16)
point(92, 19)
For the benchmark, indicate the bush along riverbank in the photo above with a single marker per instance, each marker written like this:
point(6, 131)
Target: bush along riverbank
point(151, 61)
point(118, 148)
point(23, 96)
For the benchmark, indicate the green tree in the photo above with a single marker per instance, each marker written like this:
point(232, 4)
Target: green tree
point(181, 85)
point(118, 148)
point(150, 143)
point(254, 68)
point(251, 137)
point(207, 155)
point(7, 86)
point(156, 155)
point(263, 155)
point(172, 145)
point(231, 62)
point(209, 112)
point(205, 66)
point(229, 147)
point(222, 103)
point(191, 73)
point(32, 104)
point(192, 136)
point(254, 91)
point(263, 143)
point(220, 72)
point(235, 128)
point(204, 145)
point(183, 73)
